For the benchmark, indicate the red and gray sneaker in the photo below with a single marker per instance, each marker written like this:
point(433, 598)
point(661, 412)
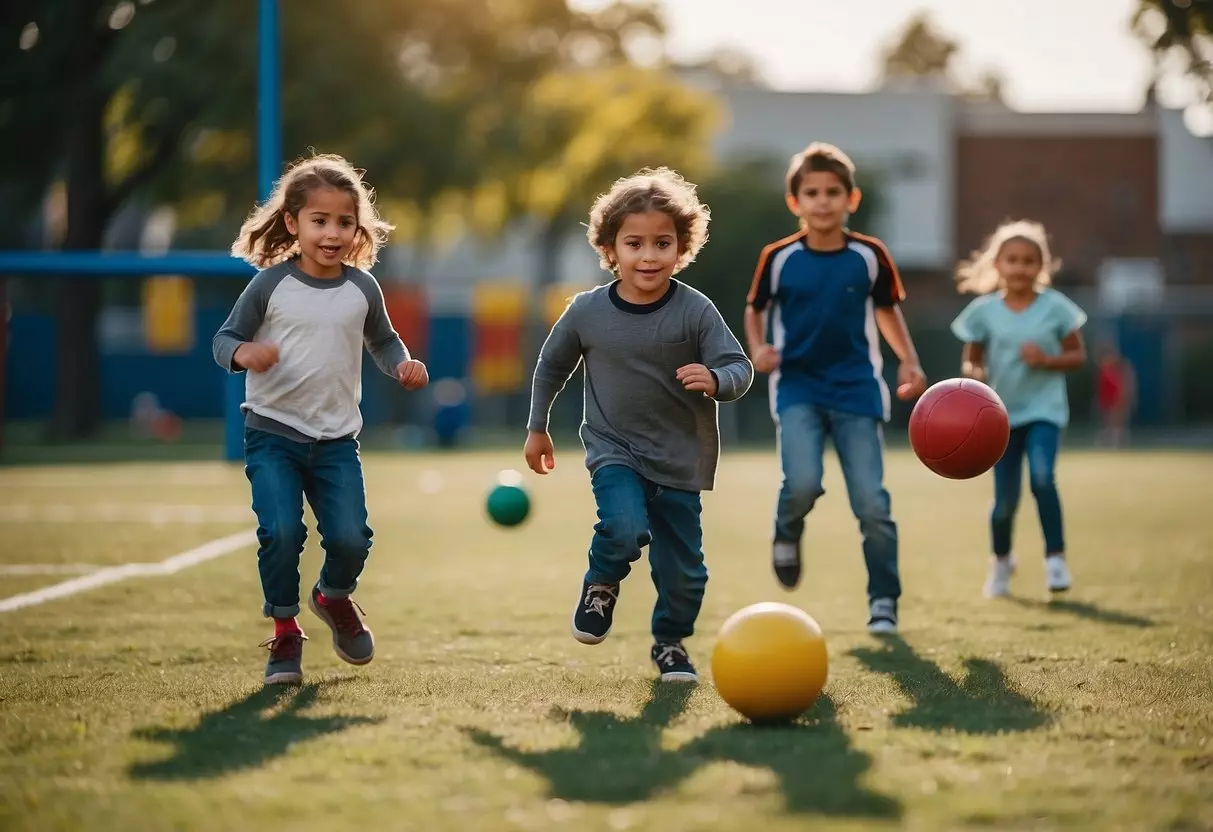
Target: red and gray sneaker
point(285, 666)
point(351, 641)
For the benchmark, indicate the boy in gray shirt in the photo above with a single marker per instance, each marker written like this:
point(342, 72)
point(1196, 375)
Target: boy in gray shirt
point(658, 357)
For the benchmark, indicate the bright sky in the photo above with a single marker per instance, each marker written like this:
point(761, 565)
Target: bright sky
point(1054, 54)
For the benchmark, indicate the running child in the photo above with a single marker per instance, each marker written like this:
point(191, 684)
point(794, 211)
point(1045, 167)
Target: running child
point(658, 357)
point(819, 302)
point(1021, 337)
point(299, 329)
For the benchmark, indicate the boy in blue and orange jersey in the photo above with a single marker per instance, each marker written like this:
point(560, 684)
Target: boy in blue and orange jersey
point(818, 300)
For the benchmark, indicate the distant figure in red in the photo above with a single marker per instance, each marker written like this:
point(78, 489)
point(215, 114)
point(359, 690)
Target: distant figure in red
point(1116, 396)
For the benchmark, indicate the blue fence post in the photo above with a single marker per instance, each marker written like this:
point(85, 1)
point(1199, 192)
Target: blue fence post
point(269, 163)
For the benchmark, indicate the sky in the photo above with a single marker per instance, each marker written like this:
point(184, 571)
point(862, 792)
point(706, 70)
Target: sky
point(1054, 54)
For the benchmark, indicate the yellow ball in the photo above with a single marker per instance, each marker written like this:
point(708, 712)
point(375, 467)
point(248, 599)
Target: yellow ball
point(770, 661)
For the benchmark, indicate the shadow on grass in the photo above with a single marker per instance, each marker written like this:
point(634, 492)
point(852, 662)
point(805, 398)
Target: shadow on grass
point(1081, 609)
point(984, 703)
point(621, 760)
point(247, 733)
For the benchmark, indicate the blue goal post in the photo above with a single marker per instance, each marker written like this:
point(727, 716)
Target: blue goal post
point(192, 263)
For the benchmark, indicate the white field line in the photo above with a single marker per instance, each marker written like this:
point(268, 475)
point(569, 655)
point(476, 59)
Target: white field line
point(47, 568)
point(192, 557)
point(155, 514)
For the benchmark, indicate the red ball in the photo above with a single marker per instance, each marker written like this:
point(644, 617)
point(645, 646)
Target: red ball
point(959, 428)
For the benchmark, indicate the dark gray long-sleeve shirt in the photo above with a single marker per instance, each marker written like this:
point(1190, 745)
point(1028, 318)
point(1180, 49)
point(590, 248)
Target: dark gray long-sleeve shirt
point(636, 411)
point(320, 326)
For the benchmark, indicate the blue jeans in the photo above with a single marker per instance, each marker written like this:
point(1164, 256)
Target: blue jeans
point(329, 474)
point(1039, 442)
point(802, 432)
point(633, 513)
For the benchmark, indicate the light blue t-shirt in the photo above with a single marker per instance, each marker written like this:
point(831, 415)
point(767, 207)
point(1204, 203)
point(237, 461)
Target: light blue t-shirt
point(1030, 395)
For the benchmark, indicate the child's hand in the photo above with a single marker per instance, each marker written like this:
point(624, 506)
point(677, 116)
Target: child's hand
point(539, 453)
point(911, 381)
point(765, 358)
point(412, 374)
point(699, 378)
point(1033, 355)
point(255, 356)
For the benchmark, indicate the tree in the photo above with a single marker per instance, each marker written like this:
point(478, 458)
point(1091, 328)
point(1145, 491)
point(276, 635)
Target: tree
point(65, 120)
point(1183, 27)
point(920, 51)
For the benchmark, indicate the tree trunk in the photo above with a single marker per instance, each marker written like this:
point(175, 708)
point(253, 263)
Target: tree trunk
point(77, 413)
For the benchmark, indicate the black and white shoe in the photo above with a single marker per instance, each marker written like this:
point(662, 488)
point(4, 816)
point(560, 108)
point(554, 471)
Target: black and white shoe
point(673, 662)
point(882, 616)
point(785, 558)
point(595, 612)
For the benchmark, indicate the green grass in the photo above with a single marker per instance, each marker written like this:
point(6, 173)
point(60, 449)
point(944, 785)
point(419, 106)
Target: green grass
point(139, 705)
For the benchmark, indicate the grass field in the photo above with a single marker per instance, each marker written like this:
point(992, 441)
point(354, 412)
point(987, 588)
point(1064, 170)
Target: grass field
point(138, 705)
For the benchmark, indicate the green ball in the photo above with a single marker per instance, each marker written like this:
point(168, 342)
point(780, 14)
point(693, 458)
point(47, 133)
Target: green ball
point(508, 503)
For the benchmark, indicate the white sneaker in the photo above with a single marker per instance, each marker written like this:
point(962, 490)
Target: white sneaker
point(1057, 573)
point(998, 582)
point(882, 616)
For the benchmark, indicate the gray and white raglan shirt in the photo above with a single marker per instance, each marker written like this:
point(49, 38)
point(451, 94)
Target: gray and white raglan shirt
point(320, 326)
point(636, 411)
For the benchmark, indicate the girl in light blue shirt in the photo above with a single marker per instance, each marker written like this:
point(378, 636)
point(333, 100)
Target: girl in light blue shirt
point(1020, 337)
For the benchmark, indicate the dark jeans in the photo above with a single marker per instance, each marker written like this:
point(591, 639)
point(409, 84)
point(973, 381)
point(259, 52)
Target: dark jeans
point(329, 474)
point(802, 432)
point(633, 513)
point(1039, 442)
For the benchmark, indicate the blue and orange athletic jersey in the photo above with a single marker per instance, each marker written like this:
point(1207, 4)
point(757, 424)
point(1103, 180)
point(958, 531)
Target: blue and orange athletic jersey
point(820, 307)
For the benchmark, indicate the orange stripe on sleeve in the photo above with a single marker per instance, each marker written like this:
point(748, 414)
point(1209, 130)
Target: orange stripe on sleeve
point(764, 257)
point(882, 251)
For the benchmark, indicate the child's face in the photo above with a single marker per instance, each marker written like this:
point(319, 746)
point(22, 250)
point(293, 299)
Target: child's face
point(646, 252)
point(1018, 264)
point(325, 227)
point(822, 201)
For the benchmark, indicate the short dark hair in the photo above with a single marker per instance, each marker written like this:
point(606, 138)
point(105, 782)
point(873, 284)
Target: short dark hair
point(820, 157)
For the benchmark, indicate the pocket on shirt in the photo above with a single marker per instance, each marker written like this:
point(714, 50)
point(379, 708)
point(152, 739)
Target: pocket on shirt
point(680, 353)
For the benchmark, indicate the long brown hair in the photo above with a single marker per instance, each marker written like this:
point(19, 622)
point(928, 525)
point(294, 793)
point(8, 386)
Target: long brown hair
point(264, 239)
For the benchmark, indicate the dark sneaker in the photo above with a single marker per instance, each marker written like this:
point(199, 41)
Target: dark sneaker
point(673, 662)
point(785, 557)
point(595, 611)
point(882, 616)
point(351, 641)
point(285, 666)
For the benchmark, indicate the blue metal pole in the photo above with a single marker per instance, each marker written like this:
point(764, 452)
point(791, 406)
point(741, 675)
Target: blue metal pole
point(269, 164)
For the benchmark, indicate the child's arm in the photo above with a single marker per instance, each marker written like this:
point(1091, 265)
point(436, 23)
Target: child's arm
point(973, 361)
point(766, 357)
point(1072, 356)
point(887, 295)
point(1068, 319)
point(558, 358)
point(383, 343)
point(233, 347)
point(723, 356)
point(911, 380)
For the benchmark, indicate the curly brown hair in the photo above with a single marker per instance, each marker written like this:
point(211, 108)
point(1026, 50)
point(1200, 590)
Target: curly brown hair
point(264, 239)
point(651, 189)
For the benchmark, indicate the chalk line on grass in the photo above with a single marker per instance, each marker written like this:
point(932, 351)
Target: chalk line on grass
point(191, 557)
point(47, 568)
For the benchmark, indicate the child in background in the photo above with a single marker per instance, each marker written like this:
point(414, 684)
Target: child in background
point(822, 296)
point(1021, 337)
point(1115, 396)
point(658, 357)
point(299, 328)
